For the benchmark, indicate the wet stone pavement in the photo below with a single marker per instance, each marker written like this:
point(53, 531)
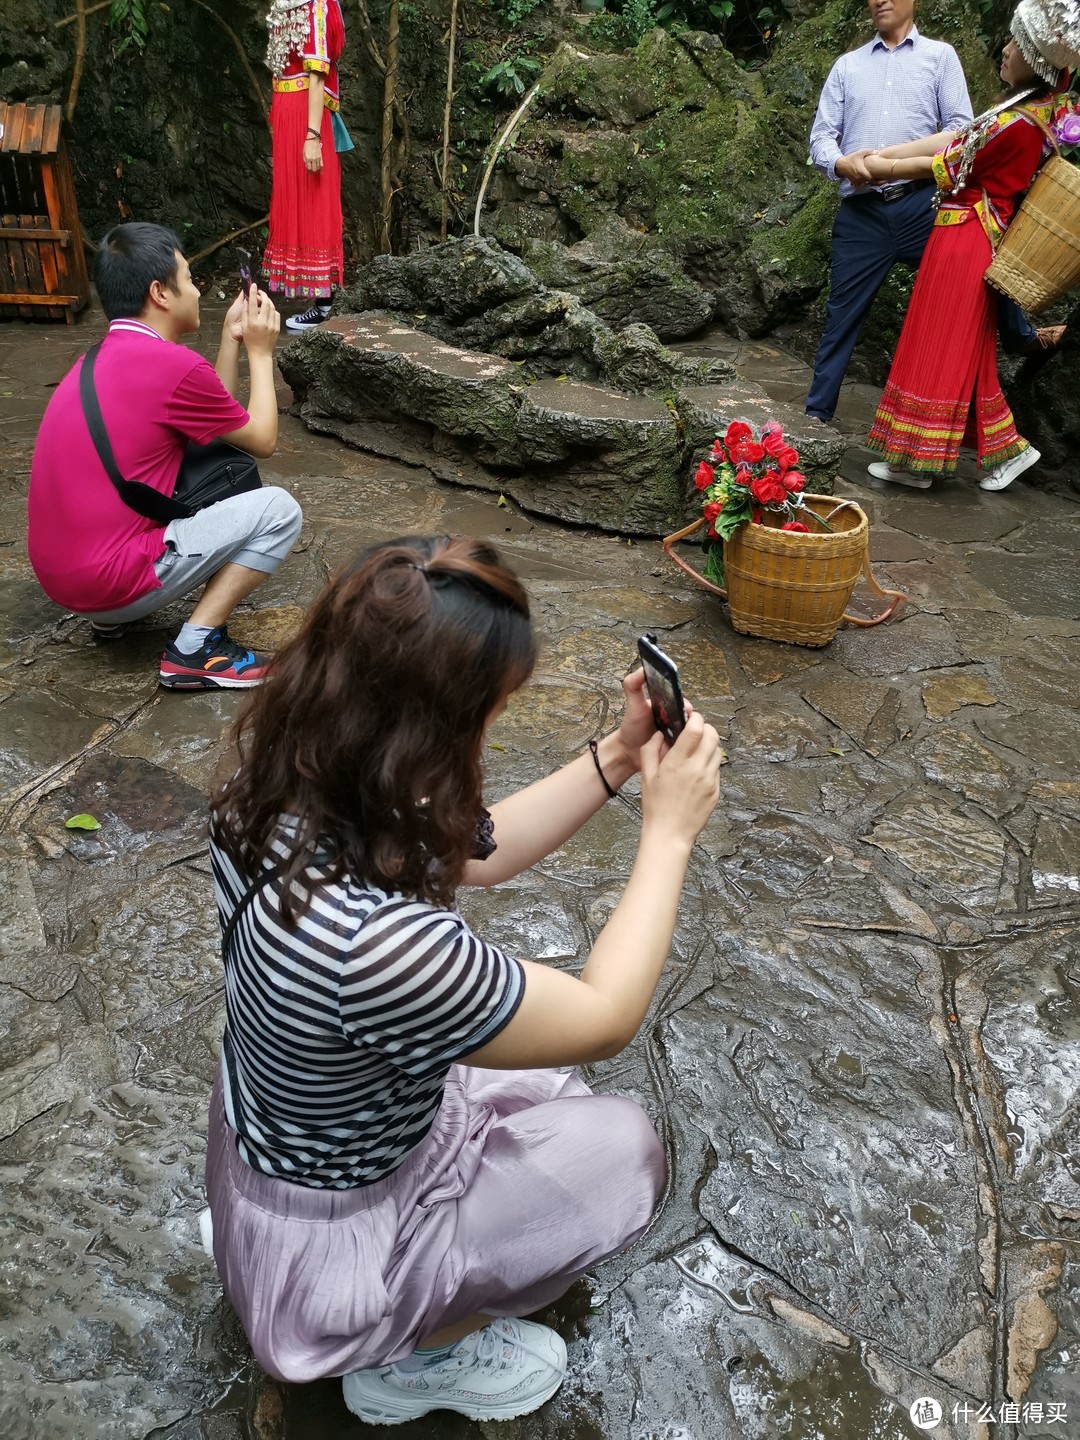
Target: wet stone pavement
point(864, 1057)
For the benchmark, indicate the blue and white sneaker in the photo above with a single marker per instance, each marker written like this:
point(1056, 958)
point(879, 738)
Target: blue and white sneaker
point(218, 664)
point(507, 1369)
point(310, 318)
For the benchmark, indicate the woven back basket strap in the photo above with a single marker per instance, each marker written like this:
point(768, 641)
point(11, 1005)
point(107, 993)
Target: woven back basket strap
point(1041, 124)
point(669, 541)
point(895, 598)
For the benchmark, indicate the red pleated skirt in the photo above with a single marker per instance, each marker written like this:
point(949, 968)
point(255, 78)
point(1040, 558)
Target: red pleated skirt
point(943, 389)
point(303, 252)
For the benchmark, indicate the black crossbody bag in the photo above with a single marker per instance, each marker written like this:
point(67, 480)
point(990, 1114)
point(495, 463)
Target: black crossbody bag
point(208, 473)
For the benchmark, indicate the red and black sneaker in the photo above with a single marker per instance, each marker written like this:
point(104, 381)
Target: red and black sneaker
point(218, 664)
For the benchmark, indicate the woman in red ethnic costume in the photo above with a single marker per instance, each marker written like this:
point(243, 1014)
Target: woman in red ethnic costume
point(943, 389)
point(303, 254)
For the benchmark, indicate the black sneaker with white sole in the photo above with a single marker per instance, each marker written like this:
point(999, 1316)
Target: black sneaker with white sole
point(310, 318)
point(218, 664)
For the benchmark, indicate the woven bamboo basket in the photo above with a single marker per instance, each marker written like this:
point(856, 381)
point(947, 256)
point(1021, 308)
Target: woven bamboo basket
point(1038, 259)
point(783, 585)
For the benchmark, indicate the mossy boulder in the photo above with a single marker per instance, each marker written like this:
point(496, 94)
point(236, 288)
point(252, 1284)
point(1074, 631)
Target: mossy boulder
point(372, 367)
point(626, 279)
point(454, 281)
point(597, 456)
point(473, 294)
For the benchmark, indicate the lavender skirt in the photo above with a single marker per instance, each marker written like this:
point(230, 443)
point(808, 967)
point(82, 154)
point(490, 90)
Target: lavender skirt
point(525, 1180)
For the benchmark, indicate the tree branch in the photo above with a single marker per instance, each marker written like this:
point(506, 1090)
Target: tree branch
point(241, 52)
point(387, 148)
point(232, 235)
point(80, 57)
point(451, 46)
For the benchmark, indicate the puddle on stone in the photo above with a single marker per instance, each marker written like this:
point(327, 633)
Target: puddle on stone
point(927, 1217)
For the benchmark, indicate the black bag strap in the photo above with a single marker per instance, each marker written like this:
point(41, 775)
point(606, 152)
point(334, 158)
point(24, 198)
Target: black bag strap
point(228, 930)
point(143, 499)
point(264, 877)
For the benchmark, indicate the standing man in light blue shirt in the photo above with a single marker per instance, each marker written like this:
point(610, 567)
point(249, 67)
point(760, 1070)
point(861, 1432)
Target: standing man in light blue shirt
point(899, 87)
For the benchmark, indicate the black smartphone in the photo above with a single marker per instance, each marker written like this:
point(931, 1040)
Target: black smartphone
point(665, 692)
point(245, 270)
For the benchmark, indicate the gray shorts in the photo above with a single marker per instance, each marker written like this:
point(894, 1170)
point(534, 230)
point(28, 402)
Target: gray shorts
point(256, 529)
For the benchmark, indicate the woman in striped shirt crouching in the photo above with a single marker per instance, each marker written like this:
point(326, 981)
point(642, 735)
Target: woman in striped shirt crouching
point(397, 1169)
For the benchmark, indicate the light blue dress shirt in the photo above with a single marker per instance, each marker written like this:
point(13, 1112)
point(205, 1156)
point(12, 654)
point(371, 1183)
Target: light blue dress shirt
point(875, 97)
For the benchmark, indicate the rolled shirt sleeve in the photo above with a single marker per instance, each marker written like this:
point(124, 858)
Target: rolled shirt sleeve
point(828, 124)
point(954, 106)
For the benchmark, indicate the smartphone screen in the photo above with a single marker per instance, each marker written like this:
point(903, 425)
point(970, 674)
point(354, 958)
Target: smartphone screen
point(245, 270)
point(665, 692)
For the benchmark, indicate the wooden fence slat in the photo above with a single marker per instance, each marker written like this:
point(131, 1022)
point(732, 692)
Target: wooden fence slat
point(7, 274)
point(13, 301)
point(75, 253)
point(18, 268)
point(14, 129)
point(33, 129)
point(50, 142)
point(50, 269)
point(62, 236)
point(32, 259)
point(52, 199)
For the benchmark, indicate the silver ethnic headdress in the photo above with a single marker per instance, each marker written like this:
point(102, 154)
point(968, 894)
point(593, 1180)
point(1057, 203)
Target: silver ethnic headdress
point(1047, 34)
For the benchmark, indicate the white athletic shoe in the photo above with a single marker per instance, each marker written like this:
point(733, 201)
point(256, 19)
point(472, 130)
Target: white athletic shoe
point(881, 470)
point(507, 1369)
point(206, 1232)
point(1005, 473)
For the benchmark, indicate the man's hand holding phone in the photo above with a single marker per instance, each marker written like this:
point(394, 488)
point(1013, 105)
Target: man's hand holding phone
point(260, 322)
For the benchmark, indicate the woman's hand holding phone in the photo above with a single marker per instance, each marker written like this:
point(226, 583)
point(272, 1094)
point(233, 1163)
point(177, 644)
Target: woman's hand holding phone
point(680, 783)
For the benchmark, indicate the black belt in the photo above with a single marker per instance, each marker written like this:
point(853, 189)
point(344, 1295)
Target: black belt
point(891, 192)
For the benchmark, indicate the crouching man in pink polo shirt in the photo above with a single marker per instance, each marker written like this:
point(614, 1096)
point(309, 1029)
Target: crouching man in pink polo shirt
point(95, 555)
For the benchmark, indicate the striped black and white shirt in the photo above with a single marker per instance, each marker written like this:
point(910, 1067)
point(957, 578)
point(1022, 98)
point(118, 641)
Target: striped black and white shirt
point(339, 1034)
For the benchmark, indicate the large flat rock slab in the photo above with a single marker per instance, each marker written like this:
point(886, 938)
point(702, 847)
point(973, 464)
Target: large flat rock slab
point(598, 456)
point(566, 448)
point(372, 367)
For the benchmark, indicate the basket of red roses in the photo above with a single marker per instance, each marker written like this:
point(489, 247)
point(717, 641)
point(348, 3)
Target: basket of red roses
point(785, 561)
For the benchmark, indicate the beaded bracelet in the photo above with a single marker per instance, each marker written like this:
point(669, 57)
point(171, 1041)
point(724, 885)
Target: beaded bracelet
point(593, 751)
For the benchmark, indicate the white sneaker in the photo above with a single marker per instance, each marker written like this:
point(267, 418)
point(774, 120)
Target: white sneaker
point(310, 318)
point(1005, 473)
point(881, 470)
point(507, 1369)
point(206, 1232)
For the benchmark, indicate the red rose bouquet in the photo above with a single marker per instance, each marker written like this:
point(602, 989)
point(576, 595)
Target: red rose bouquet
point(741, 478)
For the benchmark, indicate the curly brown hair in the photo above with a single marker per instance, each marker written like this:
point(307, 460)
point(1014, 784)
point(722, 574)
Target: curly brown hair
point(369, 731)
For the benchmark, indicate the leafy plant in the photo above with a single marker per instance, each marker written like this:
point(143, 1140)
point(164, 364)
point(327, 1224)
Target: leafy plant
point(510, 76)
point(626, 28)
point(746, 26)
point(513, 12)
point(132, 19)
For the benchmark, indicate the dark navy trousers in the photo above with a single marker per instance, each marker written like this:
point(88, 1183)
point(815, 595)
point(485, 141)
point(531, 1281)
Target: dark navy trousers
point(869, 236)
